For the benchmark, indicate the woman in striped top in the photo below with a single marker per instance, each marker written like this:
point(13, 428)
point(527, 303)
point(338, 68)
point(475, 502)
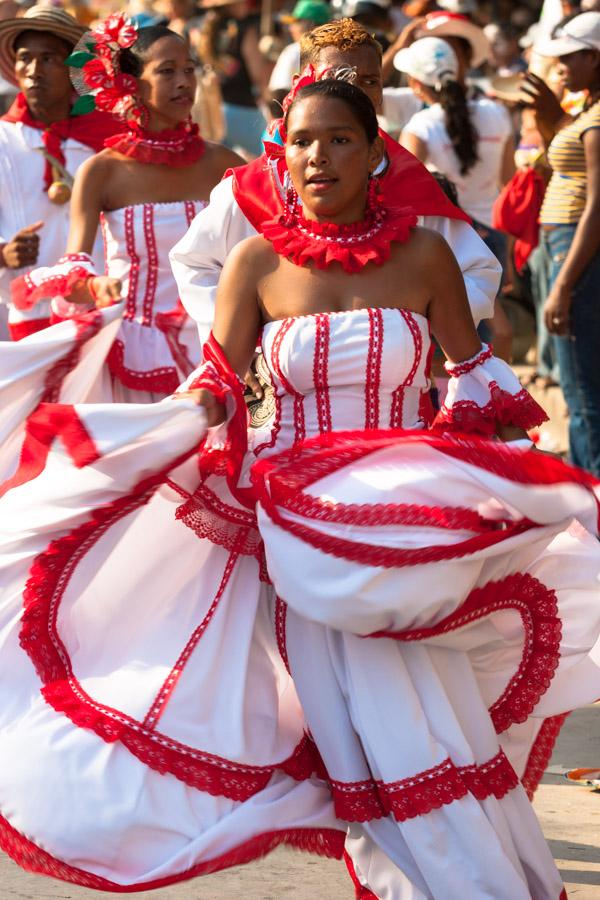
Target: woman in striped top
point(569, 229)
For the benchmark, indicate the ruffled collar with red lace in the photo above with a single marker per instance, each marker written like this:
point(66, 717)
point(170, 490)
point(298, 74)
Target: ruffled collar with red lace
point(304, 241)
point(181, 146)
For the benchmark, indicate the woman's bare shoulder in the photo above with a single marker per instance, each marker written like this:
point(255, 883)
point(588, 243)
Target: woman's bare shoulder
point(221, 158)
point(97, 168)
point(255, 254)
point(423, 248)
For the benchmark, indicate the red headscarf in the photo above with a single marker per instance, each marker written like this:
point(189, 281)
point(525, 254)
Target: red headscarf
point(91, 129)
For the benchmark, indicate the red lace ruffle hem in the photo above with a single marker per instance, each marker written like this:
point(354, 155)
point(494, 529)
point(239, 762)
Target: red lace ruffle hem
point(322, 842)
point(538, 608)
point(540, 753)
point(504, 408)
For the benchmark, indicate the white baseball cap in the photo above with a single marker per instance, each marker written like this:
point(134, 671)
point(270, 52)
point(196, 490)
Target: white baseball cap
point(580, 33)
point(430, 60)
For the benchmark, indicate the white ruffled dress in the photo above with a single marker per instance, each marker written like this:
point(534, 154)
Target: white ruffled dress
point(157, 345)
point(344, 630)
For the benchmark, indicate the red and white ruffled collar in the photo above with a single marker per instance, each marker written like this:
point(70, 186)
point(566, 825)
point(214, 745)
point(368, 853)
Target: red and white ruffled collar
point(181, 146)
point(352, 246)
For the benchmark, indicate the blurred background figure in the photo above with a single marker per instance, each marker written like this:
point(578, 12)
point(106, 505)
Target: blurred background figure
point(374, 15)
point(229, 43)
point(471, 46)
point(9, 9)
point(306, 15)
point(506, 58)
point(569, 218)
point(468, 140)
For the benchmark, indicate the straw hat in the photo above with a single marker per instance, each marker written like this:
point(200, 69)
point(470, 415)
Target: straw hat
point(507, 87)
point(446, 24)
point(39, 18)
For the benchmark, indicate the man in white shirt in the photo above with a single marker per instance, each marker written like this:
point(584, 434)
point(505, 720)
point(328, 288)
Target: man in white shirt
point(38, 138)
point(242, 200)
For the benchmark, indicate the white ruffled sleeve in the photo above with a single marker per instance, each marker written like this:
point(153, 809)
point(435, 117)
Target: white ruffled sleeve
point(198, 257)
point(56, 282)
point(484, 393)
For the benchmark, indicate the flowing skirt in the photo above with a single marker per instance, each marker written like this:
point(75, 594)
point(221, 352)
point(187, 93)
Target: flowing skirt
point(381, 654)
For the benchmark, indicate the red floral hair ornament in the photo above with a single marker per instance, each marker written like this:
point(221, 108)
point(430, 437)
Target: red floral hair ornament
point(100, 82)
point(275, 148)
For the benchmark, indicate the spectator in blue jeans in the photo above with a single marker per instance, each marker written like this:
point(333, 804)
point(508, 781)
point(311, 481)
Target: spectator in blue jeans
point(569, 218)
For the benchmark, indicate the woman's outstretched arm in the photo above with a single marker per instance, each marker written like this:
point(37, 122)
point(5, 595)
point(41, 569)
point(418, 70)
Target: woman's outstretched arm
point(452, 322)
point(87, 204)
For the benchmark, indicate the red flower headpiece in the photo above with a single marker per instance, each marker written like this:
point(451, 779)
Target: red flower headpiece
point(104, 86)
point(275, 149)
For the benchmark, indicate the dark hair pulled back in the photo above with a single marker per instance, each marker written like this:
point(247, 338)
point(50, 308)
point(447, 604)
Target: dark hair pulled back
point(459, 125)
point(132, 59)
point(356, 100)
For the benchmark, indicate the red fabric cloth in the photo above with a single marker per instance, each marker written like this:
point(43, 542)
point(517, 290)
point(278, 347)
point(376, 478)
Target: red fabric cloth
point(91, 130)
point(517, 210)
point(406, 184)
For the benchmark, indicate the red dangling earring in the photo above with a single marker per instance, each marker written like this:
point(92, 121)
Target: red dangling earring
point(374, 196)
point(289, 207)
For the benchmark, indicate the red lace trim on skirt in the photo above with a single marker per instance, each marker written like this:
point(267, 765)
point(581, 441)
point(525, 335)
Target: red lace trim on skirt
point(322, 842)
point(164, 380)
point(538, 608)
point(20, 330)
point(416, 796)
point(48, 578)
point(278, 481)
point(540, 753)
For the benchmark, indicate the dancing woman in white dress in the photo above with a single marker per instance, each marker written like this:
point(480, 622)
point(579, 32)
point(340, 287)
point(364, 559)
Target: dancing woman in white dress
point(143, 190)
point(339, 630)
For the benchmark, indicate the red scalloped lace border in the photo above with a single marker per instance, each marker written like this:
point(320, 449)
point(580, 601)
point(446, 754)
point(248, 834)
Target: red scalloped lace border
point(540, 753)
point(519, 410)
point(164, 380)
point(48, 578)
point(322, 842)
point(425, 791)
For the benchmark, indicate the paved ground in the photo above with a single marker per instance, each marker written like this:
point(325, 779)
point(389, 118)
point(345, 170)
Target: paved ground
point(570, 816)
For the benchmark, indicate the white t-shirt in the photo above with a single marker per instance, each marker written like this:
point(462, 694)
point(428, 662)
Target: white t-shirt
point(478, 189)
point(399, 106)
point(23, 201)
point(287, 65)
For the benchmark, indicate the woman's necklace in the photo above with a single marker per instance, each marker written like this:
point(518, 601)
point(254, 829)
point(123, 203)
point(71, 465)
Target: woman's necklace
point(181, 146)
point(304, 241)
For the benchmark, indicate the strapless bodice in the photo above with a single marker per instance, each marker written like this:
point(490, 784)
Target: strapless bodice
point(157, 345)
point(137, 240)
point(339, 371)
